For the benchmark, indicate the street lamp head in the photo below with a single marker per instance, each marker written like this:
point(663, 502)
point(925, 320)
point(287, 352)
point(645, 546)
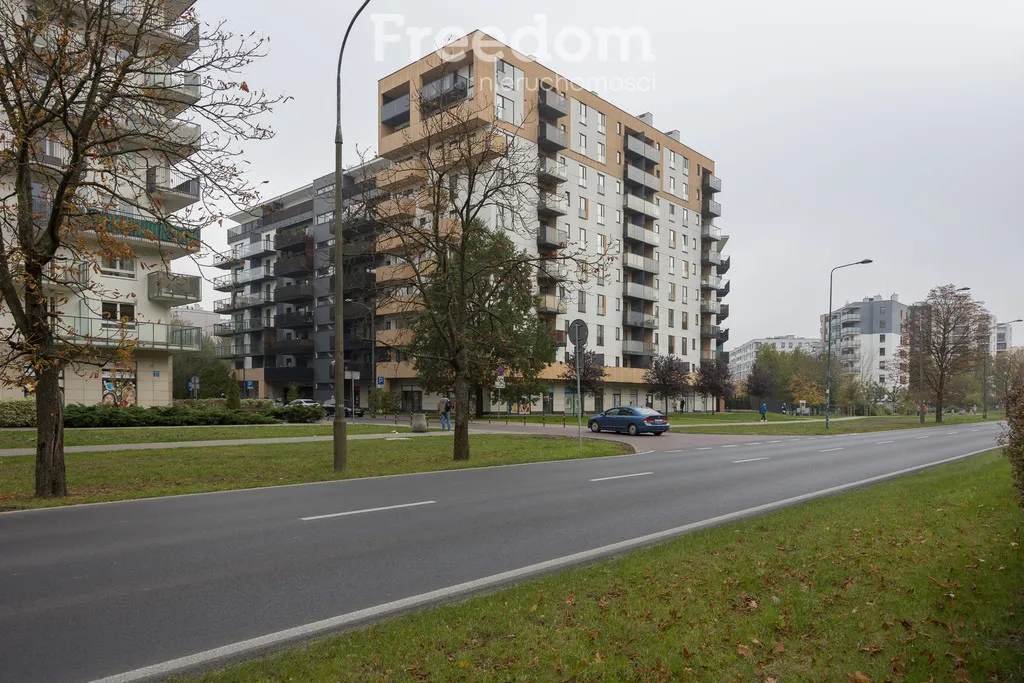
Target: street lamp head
point(964, 289)
point(1018, 320)
point(866, 261)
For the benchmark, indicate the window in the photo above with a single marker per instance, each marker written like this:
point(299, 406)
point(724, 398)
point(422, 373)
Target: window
point(693, 268)
point(618, 303)
point(881, 365)
point(671, 291)
point(600, 215)
point(600, 153)
point(672, 266)
point(326, 189)
point(602, 304)
point(118, 267)
point(672, 185)
point(602, 122)
point(583, 113)
point(881, 311)
point(325, 218)
point(117, 312)
point(881, 350)
point(618, 127)
point(582, 177)
point(671, 319)
point(672, 239)
point(602, 239)
point(583, 207)
point(583, 236)
point(618, 217)
point(671, 344)
point(686, 192)
point(682, 346)
point(583, 144)
point(600, 183)
point(881, 338)
point(618, 157)
point(881, 324)
point(600, 335)
point(671, 212)
point(504, 108)
point(693, 343)
point(684, 321)
point(617, 338)
point(581, 302)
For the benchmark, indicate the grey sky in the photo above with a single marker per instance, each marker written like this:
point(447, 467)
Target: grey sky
point(886, 129)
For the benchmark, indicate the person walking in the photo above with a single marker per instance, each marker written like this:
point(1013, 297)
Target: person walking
point(446, 414)
point(764, 411)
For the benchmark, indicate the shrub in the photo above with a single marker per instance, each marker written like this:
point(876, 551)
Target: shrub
point(1012, 438)
point(234, 397)
point(259, 404)
point(299, 413)
point(161, 416)
point(18, 412)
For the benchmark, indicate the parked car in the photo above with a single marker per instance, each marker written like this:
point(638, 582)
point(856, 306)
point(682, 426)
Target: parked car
point(631, 419)
point(329, 406)
point(303, 402)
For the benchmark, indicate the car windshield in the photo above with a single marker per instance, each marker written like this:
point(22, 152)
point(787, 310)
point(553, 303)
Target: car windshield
point(647, 411)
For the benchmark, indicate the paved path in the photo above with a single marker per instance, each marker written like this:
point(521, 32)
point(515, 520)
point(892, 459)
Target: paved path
point(139, 589)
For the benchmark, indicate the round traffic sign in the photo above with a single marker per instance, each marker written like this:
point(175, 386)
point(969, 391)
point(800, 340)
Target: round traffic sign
point(578, 332)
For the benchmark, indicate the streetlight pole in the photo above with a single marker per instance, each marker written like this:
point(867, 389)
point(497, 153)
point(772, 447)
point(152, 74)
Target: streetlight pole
point(340, 428)
point(828, 352)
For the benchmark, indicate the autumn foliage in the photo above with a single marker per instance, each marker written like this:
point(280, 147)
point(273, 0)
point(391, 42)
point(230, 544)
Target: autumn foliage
point(1012, 438)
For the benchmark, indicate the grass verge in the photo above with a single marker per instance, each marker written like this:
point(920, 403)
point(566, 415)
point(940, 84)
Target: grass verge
point(915, 579)
point(121, 475)
point(111, 436)
point(867, 424)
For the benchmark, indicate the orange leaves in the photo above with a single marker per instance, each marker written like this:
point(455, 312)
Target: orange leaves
point(243, 86)
point(858, 677)
point(744, 650)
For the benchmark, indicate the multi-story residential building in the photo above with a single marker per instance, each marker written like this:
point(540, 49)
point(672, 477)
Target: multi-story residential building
point(126, 301)
point(608, 182)
point(866, 336)
point(282, 327)
point(741, 358)
point(1004, 337)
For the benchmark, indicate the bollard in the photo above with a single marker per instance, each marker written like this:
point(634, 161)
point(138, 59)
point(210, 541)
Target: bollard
point(563, 419)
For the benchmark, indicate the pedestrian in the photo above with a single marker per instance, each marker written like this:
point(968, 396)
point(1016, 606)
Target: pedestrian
point(446, 414)
point(764, 411)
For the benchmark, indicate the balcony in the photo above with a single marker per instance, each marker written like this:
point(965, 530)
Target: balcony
point(226, 283)
point(640, 205)
point(638, 176)
point(723, 267)
point(726, 288)
point(237, 351)
point(234, 257)
point(397, 208)
point(549, 304)
point(712, 183)
point(638, 149)
point(638, 291)
point(231, 327)
point(288, 374)
point(708, 306)
point(634, 319)
point(709, 331)
point(294, 265)
point(293, 293)
point(551, 171)
point(287, 239)
point(102, 332)
point(552, 270)
point(638, 262)
point(551, 238)
point(443, 93)
point(172, 189)
point(632, 347)
point(711, 208)
point(710, 257)
point(710, 232)
point(288, 347)
point(641, 234)
point(293, 320)
point(723, 312)
point(138, 227)
point(396, 112)
point(174, 289)
point(559, 337)
point(551, 105)
point(711, 282)
point(551, 139)
point(240, 302)
point(549, 205)
point(402, 176)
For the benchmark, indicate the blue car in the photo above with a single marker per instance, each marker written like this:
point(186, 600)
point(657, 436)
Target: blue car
point(631, 419)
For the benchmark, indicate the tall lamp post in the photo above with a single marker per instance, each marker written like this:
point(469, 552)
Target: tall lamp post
point(340, 428)
point(984, 374)
point(828, 352)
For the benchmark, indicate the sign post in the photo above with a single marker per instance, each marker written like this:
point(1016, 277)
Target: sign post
point(578, 338)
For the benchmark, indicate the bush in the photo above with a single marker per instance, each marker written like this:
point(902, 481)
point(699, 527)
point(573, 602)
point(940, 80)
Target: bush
point(259, 404)
point(299, 413)
point(163, 416)
point(234, 397)
point(1012, 438)
point(18, 412)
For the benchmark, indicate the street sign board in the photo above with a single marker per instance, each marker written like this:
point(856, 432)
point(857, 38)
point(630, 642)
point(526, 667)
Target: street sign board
point(249, 384)
point(578, 332)
point(351, 374)
point(501, 372)
point(380, 380)
point(499, 382)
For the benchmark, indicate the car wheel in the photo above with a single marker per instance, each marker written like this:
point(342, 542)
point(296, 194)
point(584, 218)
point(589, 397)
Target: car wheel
point(633, 431)
point(594, 427)
point(658, 433)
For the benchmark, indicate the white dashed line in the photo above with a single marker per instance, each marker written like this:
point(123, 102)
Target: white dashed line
point(952, 433)
point(705, 448)
point(779, 441)
point(881, 442)
point(975, 430)
point(623, 476)
point(680, 450)
point(754, 443)
point(732, 445)
point(750, 460)
point(827, 450)
point(360, 512)
point(918, 438)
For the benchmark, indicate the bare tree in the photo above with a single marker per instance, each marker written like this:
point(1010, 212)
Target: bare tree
point(943, 335)
point(668, 377)
point(592, 374)
point(713, 379)
point(90, 144)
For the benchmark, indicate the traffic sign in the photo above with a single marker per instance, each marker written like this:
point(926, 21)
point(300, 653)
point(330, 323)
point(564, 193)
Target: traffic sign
point(249, 384)
point(578, 332)
point(380, 380)
point(499, 382)
point(501, 372)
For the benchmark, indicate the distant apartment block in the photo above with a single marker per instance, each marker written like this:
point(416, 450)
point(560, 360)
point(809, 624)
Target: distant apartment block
point(866, 338)
point(1004, 337)
point(741, 358)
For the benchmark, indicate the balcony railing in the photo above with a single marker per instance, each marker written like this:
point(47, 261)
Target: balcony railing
point(551, 139)
point(443, 92)
point(549, 169)
point(710, 232)
point(712, 282)
point(641, 234)
point(549, 204)
point(551, 104)
point(640, 205)
point(172, 188)
point(710, 306)
point(712, 183)
point(173, 288)
point(712, 208)
point(290, 238)
point(293, 320)
point(710, 257)
point(638, 291)
point(551, 238)
point(238, 350)
point(648, 265)
point(723, 312)
point(549, 303)
point(288, 374)
point(634, 319)
point(294, 264)
point(139, 335)
point(637, 147)
point(709, 331)
point(288, 346)
point(639, 176)
point(632, 347)
point(552, 269)
point(395, 112)
point(134, 225)
point(723, 267)
point(240, 301)
point(293, 293)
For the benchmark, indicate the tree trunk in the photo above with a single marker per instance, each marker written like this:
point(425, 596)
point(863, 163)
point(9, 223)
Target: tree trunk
point(461, 449)
point(940, 390)
point(51, 479)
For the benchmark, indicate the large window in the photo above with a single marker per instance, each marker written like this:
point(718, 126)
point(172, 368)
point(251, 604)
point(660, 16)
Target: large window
point(600, 183)
point(505, 108)
point(601, 153)
point(583, 113)
point(116, 312)
point(600, 214)
point(582, 177)
point(118, 267)
point(601, 304)
point(581, 302)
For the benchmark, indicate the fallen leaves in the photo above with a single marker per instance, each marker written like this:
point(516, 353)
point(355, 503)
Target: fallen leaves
point(858, 677)
point(744, 650)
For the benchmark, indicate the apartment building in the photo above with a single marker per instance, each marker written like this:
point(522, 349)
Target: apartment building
point(866, 336)
point(741, 358)
point(126, 301)
point(281, 330)
point(1004, 337)
point(608, 182)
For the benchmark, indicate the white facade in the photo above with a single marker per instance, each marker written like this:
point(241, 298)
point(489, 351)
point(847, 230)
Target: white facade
point(867, 338)
point(741, 359)
point(1004, 337)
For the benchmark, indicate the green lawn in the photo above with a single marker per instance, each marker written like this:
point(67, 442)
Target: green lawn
point(118, 475)
point(776, 426)
point(97, 437)
point(918, 579)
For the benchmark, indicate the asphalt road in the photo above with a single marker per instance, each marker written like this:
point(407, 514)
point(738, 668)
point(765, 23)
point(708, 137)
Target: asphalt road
point(96, 591)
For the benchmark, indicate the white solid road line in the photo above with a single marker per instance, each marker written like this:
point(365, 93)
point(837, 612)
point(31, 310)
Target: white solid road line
point(881, 442)
point(298, 633)
point(362, 512)
point(623, 476)
point(831, 449)
point(751, 460)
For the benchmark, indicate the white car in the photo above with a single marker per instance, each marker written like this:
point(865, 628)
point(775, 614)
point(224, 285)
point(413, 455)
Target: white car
point(303, 402)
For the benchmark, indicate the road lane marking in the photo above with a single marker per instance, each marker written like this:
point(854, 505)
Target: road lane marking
point(975, 430)
point(678, 450)
point(623, 476)
point(754, 443)
point(918, 438)
point(705, 448)
point(827, 450)
point(751, 460)
point(377, 612)
point(881, 442)
point(779, 441)
point(363, 512)
point(951, 433)
point(732, 445)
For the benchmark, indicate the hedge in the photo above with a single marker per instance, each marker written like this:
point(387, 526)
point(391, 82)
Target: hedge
point(260, 404)
point(169, 416)
point(18, 412)
point(299, 413)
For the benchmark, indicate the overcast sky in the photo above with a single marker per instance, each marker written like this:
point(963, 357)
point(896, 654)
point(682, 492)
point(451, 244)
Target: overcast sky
point(883, 129)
